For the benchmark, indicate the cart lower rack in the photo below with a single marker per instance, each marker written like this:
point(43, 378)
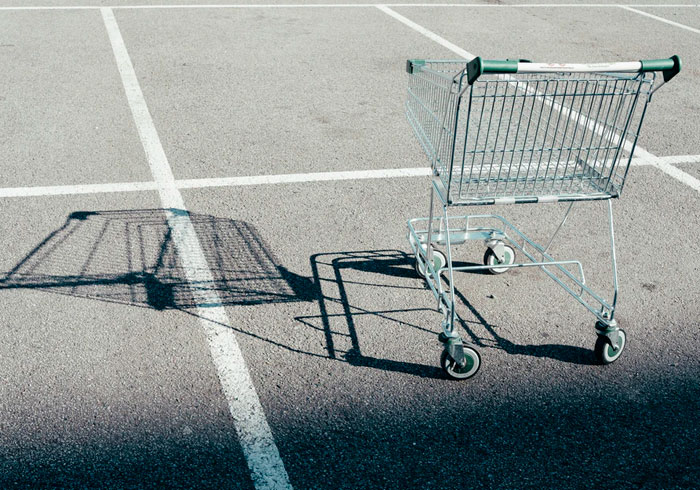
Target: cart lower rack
point(515, 132)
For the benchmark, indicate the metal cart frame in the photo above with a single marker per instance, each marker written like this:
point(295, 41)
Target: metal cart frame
point(516, 132)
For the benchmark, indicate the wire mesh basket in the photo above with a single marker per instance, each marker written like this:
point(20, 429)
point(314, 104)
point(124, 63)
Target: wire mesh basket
point(527, 137)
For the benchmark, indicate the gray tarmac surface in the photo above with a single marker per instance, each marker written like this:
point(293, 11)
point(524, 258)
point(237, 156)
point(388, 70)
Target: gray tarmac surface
point(272, 89)
point(690, 18)
point(691, 169)
point(64, 121)
point(107, 378)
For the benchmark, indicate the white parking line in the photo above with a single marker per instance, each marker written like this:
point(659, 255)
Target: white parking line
point(387, 173)
point(669, 169)
point(661, 19)
point(254, 434)
point(307, 177)
point(672, 160)
point(429, 34)
point(352, 5)
point(69, 190)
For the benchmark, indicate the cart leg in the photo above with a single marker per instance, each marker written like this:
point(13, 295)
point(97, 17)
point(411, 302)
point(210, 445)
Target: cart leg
point(611, 338)
point(614, 260)
point(451, 317)
point(429, 249)
point(457, 360)
point(607, 316)
point(448, 336)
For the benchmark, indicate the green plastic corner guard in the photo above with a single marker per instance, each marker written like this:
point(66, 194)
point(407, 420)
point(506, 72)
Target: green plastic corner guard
point(410, 64)
point(670, 67)
point(478, 66)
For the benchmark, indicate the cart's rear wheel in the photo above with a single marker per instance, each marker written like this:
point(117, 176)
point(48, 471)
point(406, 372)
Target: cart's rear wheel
point(454, 371)
point(439, 261)
point(605, 352)
point(490, 259)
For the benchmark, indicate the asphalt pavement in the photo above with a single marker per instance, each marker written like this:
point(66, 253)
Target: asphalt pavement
point(109, 374)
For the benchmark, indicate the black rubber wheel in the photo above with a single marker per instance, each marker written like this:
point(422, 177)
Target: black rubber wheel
point(452, 370)
point(491, 260)
point(605, 353)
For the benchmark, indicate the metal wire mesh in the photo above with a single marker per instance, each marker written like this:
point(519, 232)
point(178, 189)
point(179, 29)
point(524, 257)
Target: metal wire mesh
point(527, 137)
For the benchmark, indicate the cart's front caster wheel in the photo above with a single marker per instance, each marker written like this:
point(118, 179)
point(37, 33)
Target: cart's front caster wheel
point(454, 371)
point(605, 352)
point(491, 260)
point(439, 261)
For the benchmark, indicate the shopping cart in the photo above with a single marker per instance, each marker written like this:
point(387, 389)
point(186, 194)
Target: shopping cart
point(512, 132)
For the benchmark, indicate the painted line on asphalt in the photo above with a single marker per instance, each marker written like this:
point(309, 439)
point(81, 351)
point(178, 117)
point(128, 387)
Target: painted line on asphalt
point(398, 5)
point(388, 173)
point(254, 434)
point(660, 19)
point(678, 174)
point(306, 177)
point(666, 167)
point(673, 160)
point(69, 190)
point(349, 5)
point(669, 169)
point(427, 33)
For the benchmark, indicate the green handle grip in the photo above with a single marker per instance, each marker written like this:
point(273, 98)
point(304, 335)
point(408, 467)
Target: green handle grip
point(670, 67)
point(478, 66)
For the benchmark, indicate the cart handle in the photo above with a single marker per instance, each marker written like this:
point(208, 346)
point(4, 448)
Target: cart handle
point(670, 67)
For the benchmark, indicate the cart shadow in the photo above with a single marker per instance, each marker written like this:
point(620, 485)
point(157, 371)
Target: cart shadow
point(563, 353)
point(330, 274)
point(477, 272)
point(131, 257)
point(374, 272)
